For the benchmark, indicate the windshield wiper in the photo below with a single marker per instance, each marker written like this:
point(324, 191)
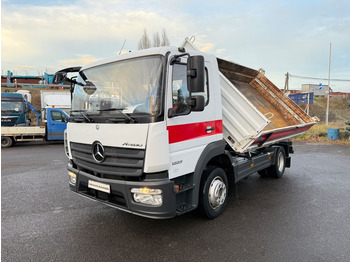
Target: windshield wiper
point(85, 115)
point(120, 110)
point(89, 119)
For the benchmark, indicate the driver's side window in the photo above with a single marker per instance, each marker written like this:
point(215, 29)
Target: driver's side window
point(180, 93)
point(58, 116)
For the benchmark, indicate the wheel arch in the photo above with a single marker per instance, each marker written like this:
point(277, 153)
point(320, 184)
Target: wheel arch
point(214, 154)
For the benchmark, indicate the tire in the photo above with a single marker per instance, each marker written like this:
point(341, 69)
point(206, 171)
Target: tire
point(277, 170)
point(213, 192)
point(6, 141)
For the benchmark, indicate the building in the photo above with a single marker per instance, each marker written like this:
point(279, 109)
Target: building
point(340, 94)
point(19, 79)
point(318, 90)
point(44, 81)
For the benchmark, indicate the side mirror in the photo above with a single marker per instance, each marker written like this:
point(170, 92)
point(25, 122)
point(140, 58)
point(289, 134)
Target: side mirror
point(197, 103)
point(171, 112)
point(195, 74)
point(59, 77)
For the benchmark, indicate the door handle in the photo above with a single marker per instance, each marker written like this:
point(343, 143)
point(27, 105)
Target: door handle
point(209, 129)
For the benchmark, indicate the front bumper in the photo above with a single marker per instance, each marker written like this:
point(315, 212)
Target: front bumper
point(121, 196)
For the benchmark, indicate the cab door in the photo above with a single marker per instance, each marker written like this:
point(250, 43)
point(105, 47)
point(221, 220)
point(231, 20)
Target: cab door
point(189, 132)
point(56, 124)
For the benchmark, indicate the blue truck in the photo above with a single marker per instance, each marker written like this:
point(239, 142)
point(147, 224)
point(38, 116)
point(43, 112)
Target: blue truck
point(12, 109)
point(15, 128)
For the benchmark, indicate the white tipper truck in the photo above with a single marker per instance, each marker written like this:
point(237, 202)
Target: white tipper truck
point(162, 131)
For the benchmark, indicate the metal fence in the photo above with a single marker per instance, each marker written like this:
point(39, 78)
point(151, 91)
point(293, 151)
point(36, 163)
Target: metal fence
point(34, 86)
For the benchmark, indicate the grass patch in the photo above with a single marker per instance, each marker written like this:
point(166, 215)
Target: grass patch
point(339, 113)
point(318, 133)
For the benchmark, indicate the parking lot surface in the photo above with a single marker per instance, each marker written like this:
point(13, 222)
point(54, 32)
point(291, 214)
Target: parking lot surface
point(304, 216)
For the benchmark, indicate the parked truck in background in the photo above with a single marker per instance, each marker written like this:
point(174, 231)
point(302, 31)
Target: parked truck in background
point(12, 109)
point(54, 99)
point(13, 106)
point(162, 131)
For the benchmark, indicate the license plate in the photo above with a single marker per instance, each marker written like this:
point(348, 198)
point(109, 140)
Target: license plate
point(99, 186)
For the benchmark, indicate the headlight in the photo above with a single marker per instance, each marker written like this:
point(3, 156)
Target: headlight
point(148, 196)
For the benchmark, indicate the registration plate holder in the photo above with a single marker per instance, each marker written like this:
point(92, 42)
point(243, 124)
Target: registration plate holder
point(99, 186)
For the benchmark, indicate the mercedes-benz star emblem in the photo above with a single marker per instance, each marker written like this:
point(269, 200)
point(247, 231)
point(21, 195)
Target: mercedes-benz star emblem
point(98, 152)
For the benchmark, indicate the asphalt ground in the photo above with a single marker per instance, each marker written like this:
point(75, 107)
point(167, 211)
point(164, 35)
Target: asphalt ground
point(304, 216)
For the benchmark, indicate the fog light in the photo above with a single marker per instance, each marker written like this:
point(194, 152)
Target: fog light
point(148, 196)
point(72, 178)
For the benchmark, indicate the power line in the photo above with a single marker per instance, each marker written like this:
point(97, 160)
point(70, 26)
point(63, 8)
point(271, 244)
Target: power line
point(317, 78)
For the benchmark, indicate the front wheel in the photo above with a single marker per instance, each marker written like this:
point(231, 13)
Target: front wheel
point(6, 141)
point(213, 192)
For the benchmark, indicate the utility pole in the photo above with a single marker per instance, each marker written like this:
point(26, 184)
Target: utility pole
point(308, 102)
point(329, 81)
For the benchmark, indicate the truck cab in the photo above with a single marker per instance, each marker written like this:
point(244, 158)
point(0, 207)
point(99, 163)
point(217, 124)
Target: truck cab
point(142, 121)
point(12, 109)
point(56, 123)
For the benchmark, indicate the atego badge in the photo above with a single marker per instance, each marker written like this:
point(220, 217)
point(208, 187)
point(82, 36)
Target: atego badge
point(98, 152)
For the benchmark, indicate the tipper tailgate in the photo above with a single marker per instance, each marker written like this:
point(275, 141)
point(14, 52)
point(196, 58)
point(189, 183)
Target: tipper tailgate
point(286, 118)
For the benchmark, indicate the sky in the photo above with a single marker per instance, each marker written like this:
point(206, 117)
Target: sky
point(279, 36)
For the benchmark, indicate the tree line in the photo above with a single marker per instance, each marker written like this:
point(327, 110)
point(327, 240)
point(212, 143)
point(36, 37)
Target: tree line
point(158, 40)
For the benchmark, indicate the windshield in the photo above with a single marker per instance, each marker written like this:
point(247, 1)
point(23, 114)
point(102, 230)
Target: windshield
point(11, 107)
point(125, 90)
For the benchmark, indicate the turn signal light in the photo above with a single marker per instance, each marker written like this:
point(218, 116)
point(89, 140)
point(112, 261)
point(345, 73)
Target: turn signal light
point(72, 178)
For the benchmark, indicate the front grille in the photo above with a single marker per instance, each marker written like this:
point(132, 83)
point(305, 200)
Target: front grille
point(119, 163)
point(9, 120)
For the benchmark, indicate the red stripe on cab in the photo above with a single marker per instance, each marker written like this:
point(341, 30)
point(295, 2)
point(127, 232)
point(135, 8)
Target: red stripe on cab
point(180, 133)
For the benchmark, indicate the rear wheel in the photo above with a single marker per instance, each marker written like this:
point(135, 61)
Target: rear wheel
point(277, 169)
point(213, 192)
point(6, 141)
